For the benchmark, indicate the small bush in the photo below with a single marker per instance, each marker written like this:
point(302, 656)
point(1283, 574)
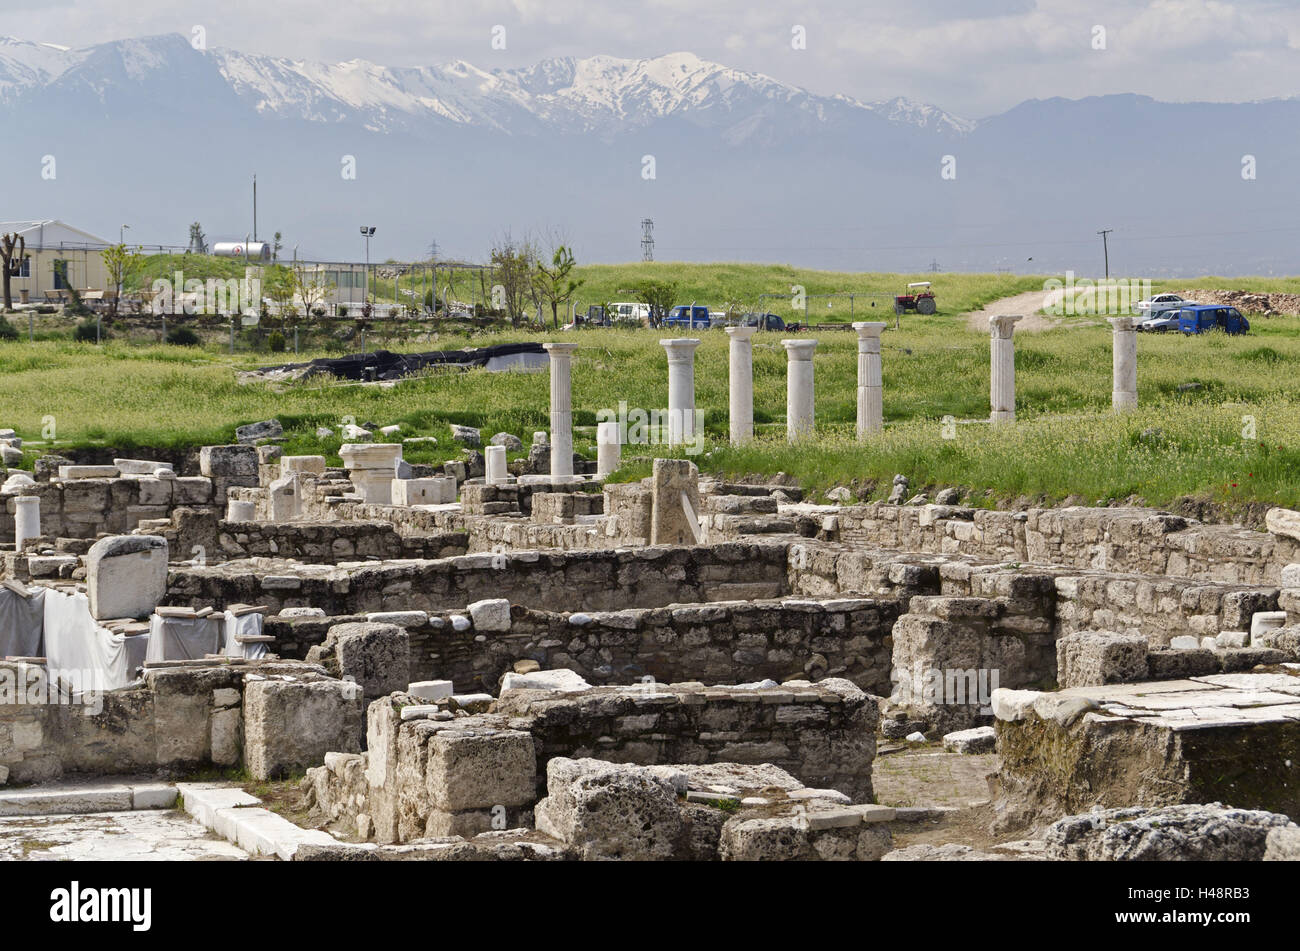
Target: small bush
point(88, 332)
point(7, 330)
point(275, 341)
point(182, 337)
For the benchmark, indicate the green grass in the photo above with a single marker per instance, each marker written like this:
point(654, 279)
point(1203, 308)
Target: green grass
point(1066, 443)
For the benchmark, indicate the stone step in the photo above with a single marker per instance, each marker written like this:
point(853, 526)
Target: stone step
point(238, 817)
point(80, 800)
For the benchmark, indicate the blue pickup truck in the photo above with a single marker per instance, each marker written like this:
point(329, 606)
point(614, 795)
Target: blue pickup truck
point(1208, 317)
point(688, 317)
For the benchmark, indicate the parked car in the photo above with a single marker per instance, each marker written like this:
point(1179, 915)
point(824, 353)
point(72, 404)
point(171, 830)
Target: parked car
point(630, 312)
point(1205, 318)
point(1168, 320)
point(688, 316)
point(763, 321)
point(1159, 304)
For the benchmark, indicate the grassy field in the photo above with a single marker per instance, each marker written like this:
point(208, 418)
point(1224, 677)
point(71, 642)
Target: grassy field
point(1233, 438)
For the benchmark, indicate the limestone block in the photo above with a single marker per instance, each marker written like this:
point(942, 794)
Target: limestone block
point(1087, 658)
point(126, 575)
point(675, 503)
point(1284, 522)
point(290, 725)
point(491, 614)
point(981, 739)
point(309, 465)
point(478, 769)
point(610, 811)
point(438, 490)
point(376, 656)
point(563, 681)
point(236, 464)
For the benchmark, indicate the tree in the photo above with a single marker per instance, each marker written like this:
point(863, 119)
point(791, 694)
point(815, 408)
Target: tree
point(310, 286)
point(280, 286)
point(12, 248)
point(275, 248)
point(512, 271)
point(121, 264)
point(198, 240)
point(555, 284)
point(658, 295)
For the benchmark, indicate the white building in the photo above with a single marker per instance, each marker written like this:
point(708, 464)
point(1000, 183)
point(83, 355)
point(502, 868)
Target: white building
point(56, 256)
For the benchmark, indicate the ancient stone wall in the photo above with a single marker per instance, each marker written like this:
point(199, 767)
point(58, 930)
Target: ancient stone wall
point(178, 719)
point(84, 508)
point(557, 581)
point(729, 642)
point(1121, 539)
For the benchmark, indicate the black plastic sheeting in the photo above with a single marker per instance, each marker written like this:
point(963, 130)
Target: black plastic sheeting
point(386, 365)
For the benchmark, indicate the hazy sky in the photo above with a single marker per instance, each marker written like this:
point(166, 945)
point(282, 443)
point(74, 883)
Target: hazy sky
point(971, 57)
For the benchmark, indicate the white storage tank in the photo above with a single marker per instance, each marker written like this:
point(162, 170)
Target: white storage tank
point(253, 250)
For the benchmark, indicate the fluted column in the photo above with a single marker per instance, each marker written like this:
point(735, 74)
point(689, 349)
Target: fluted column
point(681, 388)
point(799, 387)
point(740, 369)
point(871, 410)
point(561, 408)
point(1002, 382)
point(1124, 386)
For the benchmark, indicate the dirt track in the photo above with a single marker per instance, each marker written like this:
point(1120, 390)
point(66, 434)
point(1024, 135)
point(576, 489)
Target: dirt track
point(1029, 304)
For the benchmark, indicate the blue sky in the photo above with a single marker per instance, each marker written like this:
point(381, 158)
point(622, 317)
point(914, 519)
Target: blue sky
point(971, 57)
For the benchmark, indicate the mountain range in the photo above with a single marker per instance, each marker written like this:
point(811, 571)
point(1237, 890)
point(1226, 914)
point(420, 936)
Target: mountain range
point(730, 164)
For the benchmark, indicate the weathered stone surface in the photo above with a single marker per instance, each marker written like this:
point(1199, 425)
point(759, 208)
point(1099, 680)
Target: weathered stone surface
point(564, 681)
point(126, 575)
point(481, 769)
point(1284, 522)
point(1100, 657)
point(291, 725)
point(490, 615)
point(610, 811)
point(375, 655)
point(978, 740)
point(251, 433)
point(1282, 845)
point(1206, 833)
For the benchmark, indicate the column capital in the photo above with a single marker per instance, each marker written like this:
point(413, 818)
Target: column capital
point(868, 328)
point(1004, 325)
point(799, 349)
point(560, 349)
point(680, 349)
point(1122, 324)
point(740, 333)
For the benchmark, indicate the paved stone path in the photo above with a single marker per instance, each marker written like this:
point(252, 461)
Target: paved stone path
point(147, 835)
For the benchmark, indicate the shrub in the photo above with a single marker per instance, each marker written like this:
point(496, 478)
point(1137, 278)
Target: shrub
point(88, 331)
point(7, 330)
point(275, 341)
point(182, 337)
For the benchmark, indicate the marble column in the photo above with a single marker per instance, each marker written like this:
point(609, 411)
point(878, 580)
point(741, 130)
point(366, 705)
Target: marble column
point(561, 409)
point(799, 387)
point(494, 465)
point(27, 519)
point(1124, 387)
point(871, 410)
point(608, 448)
point(681, 388)
point(1002, 380)
point(741, 380)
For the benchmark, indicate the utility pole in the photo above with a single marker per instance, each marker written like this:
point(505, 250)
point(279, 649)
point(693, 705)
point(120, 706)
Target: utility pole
point(254, 207)
point(1105, 248)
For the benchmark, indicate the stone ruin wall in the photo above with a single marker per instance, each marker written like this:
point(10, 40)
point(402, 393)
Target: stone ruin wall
point(271, 717)
point(725, 642)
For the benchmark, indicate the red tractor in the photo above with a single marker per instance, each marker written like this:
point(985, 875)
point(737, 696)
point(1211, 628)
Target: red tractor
point(919, 298)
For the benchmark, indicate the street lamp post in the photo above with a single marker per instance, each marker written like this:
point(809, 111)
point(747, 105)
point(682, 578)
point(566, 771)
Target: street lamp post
point(367, 232)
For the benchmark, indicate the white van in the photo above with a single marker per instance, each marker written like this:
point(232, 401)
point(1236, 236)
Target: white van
point(630, 312)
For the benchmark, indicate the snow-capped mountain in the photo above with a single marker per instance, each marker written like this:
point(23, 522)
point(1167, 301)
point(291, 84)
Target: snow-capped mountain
point(599, 95)
point(730, 164)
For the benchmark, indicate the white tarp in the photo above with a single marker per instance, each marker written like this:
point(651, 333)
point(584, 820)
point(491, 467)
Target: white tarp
point(22, 623)
point(77, 650)
point(243, 626)
point(183, 638)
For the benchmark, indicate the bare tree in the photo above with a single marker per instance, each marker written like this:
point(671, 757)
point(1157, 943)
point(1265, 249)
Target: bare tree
point(513, 261)
point(12, 248)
